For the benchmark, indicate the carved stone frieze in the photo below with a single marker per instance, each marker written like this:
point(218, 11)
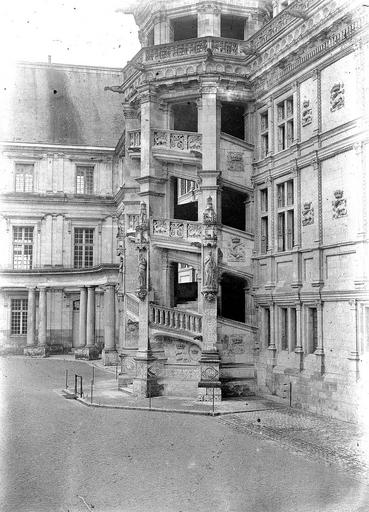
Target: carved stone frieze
point(307, 113)
point(339, 205)
point(235, 161)
point(307, 214)
point(236, 250)
point(337, 96)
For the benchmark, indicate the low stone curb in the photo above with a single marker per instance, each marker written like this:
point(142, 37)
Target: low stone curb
point(69, 394)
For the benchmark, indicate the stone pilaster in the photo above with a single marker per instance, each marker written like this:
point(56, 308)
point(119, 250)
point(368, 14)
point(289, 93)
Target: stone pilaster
point(31, 349)
point(109, 353)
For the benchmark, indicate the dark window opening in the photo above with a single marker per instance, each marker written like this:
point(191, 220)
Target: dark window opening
point(233, 297)
point(184, 28)
point(232, 120)
point(150, 38)
point(184, 286)
point(232, 27)
point(185, 116)
point(184, 210)
point(234, 209)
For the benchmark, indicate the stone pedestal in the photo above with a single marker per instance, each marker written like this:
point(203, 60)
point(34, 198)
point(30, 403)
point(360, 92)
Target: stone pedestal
point(209, 383)
point(86, 353)
point(37, 351)
point(145, 383)
point(110, 357)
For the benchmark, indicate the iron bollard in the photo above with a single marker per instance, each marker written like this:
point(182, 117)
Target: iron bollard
point(149, 384)
point(213, 400)
point(290, 394)
point(75, 383)
point(116, 371)
point(66, 379)
point(81, 393)
point(93, 374)
point(92, 391)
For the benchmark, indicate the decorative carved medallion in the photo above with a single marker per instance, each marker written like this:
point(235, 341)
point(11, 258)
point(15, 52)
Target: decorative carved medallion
point(307, 113)
point(337, 96)
point(209, 216)
point(209, 296)
point(235, 161)
point(160, 227)
point(307, 214)
point(209, 373)
point(339, 205)
point(236, 250)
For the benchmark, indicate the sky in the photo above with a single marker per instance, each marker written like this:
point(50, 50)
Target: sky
point(91, 32)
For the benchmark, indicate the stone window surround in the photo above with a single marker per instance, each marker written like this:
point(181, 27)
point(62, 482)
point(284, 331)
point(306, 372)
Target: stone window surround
point(288, 207)
point(88, 182)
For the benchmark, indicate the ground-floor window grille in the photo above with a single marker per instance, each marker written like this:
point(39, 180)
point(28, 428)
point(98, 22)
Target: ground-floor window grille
point(19, 309)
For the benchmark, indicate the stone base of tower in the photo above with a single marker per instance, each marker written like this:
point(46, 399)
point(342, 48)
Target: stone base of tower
point(145, 384)
point(110, 357)
point(86, 353)
point(37, 351)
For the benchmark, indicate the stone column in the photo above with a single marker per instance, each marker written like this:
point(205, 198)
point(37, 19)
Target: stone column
point(299, 351)
point(42, 349)
point(82, 316)
point(272, 346)
point(109, 353)
point(31, 348)
point(90, 351)
point(31, 317)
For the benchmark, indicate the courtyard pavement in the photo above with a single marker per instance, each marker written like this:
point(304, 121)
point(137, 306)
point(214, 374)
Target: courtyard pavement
point(314, 436)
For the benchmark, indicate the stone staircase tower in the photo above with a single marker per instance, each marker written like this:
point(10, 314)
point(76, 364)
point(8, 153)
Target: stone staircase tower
point(186, 199)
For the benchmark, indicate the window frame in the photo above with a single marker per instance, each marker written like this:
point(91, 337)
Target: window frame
point(285, 122)
point(285, 214)
point(81, 250)
point(264, 134)
point(88, 184)
point(22, 316)
point(22, 243)
point(18, 173)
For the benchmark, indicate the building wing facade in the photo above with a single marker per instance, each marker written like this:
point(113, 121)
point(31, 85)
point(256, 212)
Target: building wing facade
point(216, 238)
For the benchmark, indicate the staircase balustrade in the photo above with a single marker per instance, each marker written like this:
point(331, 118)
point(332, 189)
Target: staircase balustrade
point(176, 140)
point(173, 228)
point(176, 319)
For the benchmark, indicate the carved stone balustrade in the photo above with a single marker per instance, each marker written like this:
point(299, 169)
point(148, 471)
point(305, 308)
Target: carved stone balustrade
point(191, 47)
point(173, 228)
point(175, 319)
point(176, 141)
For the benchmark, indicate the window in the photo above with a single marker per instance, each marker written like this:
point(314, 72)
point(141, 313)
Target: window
point(285, 124)
point(186, 186)
point(22, 247)
point(24, 177)
point(19, 316)
point(264, 221)
point(83, 247)
point(312, 330)
point(264, 132)
point(287, 328)
point(85, 180)
point(286, 214)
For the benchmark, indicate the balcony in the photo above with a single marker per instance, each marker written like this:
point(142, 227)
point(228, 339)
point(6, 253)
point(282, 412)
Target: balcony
point(168, 145)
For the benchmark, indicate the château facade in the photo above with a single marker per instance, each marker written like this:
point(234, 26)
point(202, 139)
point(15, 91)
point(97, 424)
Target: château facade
point(199, 216)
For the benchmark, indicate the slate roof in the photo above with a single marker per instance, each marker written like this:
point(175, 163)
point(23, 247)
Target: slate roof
point(61, 104)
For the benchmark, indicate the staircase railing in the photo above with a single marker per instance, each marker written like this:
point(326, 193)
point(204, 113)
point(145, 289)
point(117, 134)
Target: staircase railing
point(174, 228)
point(176, 319)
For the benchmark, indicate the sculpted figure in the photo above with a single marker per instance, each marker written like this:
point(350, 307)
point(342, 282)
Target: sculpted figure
point(142, 265)
point(210, 271)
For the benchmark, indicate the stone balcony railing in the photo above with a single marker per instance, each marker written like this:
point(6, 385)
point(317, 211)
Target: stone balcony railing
point(132, 304)
point(167, 139)
point(176, 319)
point(176, 140)
point(177, 229)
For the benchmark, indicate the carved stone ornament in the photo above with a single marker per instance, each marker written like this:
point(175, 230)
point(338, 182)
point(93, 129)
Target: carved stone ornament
point(209, 296)
point(307, 113)
point(142, 274)
point(235, 161)
point(337, 96)
point(209, 215)
point(236, 250)
point(307, 214)
point(339, 205)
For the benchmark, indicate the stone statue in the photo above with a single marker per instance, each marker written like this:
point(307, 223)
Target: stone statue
point(209, 216)
point(142, 265)
point(210, 271)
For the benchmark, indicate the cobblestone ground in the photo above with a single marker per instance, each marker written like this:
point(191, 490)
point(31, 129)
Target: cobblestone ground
point(58, 455)
point(319, 438)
